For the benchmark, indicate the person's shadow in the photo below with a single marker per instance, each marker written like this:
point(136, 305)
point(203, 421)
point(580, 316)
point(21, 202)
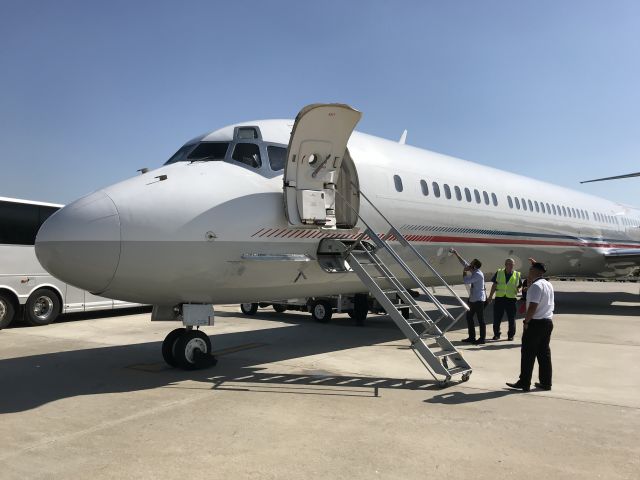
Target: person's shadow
point(456, 398)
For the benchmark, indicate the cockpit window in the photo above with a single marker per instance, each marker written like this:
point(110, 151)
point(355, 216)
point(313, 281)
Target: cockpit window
point(180, 155)
point(209, 151)
point(247, 133)
point(277, 157)
point(247, 153)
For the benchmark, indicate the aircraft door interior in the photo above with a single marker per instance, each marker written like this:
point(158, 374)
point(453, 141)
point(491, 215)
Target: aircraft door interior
point(318, 164)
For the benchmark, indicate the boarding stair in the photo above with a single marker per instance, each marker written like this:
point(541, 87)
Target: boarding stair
point(379, 260)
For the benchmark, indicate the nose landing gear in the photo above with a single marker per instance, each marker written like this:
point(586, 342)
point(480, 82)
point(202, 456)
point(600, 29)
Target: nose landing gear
point(188, 349)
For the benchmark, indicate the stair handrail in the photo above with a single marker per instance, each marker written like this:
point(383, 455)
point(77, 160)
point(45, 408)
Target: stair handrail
point(371, 233)
point(406, 243)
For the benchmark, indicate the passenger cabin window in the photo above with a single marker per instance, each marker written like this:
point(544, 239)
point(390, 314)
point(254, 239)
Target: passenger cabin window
point(495, 199)
point(424, 187)
point(436, 189)
point(209, 151)
point(467, 194)
point(530, 205)
point(277, 157)
point(510, 201)
point(476, 194)
point(458, 193)
point(524, 204)
point(517, 202)
point(397, 182)
point(537, 206)
point(485, 195)
point(247, 153)
point(447, 191)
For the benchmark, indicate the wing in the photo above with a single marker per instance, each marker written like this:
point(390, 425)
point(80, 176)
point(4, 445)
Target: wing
point(628, 175)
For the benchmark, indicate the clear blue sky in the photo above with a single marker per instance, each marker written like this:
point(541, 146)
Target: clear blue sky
point(91, 91)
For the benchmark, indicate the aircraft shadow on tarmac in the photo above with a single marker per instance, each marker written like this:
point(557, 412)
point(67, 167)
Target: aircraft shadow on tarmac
point(597, 303)
point(31, 381)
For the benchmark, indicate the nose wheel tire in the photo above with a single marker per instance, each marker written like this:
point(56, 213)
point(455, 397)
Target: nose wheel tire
point(169, 344)
point(42, 307)
point(192, 350)
point(249, 308)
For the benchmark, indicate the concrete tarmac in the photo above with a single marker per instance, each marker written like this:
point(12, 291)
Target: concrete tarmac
point(290, 398)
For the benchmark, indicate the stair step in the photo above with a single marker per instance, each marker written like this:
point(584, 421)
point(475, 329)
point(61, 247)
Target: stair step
point(457, 370)
point(416, 321)
point(446, 353)
point(426, 336)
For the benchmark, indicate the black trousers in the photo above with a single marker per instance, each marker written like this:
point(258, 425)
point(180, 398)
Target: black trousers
point(535, 344)
point(500, 306)
point(477, 309)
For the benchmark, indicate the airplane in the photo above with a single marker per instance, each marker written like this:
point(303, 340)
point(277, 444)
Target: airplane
point(239, 214)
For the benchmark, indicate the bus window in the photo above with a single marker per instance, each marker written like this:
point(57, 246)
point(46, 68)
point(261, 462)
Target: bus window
point(20, 223)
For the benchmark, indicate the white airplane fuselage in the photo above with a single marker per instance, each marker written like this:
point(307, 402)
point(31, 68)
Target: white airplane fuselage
point(206, 232)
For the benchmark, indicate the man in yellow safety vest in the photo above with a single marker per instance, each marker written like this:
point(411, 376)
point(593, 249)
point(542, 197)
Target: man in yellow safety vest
point(506, 284)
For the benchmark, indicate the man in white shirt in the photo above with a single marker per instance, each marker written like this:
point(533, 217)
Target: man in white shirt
point(538, 326)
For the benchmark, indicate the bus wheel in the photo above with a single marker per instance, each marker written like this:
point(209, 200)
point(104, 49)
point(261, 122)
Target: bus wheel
point(42, 307)
point(279, 307)
point(7, 311)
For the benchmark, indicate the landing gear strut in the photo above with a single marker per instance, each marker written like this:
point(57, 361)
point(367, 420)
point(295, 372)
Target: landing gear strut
point(188, 349)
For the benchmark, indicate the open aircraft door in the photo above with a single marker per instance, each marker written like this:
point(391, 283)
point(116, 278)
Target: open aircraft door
point(316, 157)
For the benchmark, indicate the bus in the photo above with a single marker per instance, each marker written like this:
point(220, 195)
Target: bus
point(27, 291)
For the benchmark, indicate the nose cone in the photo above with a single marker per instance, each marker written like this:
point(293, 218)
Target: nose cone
point(80, 244)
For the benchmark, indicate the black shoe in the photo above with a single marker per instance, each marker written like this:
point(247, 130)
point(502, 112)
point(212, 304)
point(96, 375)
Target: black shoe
point(542, 387)
point(496, 337)
point(468, 340)
point(480, 341)
point(519, 386)
point(510, 339)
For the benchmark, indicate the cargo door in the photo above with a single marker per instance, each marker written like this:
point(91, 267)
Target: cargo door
point(316, 150)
